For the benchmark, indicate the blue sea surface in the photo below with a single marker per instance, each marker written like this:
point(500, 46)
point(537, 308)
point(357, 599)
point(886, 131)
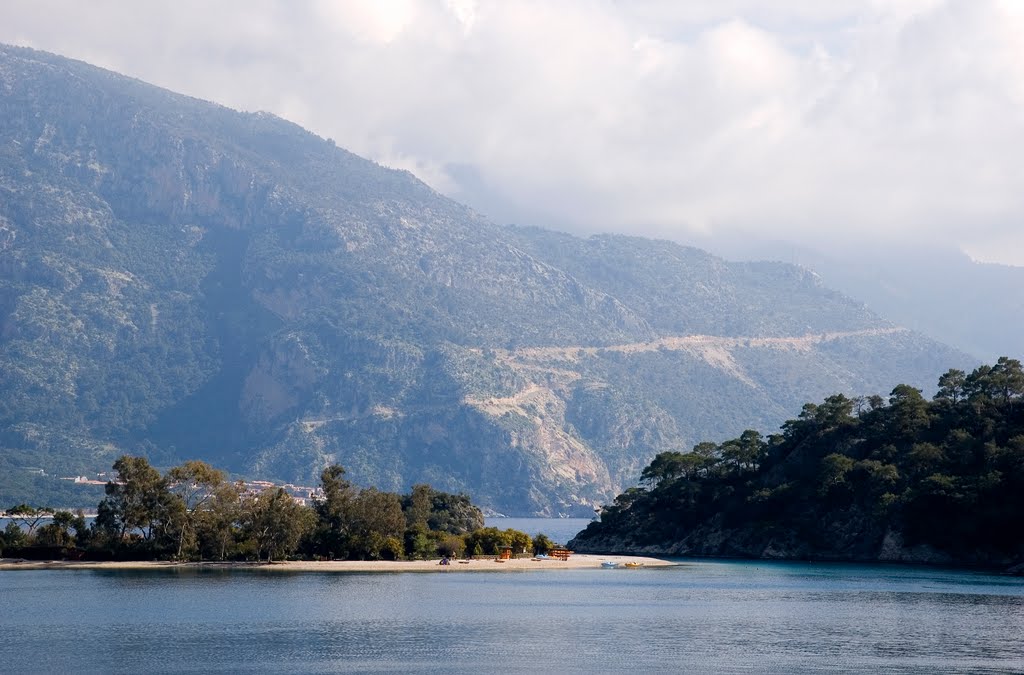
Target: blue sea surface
point(559, 530)
point(700, 617)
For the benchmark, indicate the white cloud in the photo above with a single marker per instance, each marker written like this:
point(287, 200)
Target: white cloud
point(380, 21)
point(795, 119)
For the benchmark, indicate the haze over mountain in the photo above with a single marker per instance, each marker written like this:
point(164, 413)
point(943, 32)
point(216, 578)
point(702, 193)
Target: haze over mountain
point(184, 280)
point(975, 306)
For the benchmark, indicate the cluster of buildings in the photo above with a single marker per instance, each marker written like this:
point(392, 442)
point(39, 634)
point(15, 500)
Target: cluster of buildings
point(85, 480)
point(302, 494)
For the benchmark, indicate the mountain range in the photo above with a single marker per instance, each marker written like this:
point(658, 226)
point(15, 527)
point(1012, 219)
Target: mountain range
point(182, 280)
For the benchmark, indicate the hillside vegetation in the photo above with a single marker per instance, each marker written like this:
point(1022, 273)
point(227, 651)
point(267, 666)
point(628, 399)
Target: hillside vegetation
point(906, 479)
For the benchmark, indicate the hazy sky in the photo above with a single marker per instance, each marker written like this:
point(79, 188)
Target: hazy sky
point(810, 120)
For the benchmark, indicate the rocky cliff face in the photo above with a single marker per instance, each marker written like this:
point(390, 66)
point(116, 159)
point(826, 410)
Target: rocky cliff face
point(716, 541)
point(184, 280)
point(756, 542)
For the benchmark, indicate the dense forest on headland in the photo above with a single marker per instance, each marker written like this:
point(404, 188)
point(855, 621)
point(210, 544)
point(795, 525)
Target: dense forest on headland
point(192, 513)
point(903, 479)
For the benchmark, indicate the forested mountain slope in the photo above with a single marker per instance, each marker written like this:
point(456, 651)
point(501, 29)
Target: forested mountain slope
point(186, 281)
point(907, 479)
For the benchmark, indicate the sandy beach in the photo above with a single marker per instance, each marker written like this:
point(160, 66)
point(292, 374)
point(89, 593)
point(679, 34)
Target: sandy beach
point(581, 561)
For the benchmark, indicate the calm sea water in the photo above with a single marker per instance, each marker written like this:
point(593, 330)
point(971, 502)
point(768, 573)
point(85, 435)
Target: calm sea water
point(698, 617)
point(559, 530)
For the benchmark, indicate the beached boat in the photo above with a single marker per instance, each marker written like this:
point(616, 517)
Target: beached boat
point(633, 564)
point(609, 564)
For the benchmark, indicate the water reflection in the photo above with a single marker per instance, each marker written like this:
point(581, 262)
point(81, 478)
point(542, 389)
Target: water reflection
point(699, 617)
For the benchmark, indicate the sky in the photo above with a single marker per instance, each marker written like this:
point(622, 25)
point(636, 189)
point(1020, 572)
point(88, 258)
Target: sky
point(828, 124)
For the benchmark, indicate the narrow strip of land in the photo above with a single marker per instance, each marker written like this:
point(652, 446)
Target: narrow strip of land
point(578, 561)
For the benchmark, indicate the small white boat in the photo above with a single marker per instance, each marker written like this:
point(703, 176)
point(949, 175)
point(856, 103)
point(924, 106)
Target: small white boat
point(609, 564)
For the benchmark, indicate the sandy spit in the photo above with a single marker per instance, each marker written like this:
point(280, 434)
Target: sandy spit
point(580, 561)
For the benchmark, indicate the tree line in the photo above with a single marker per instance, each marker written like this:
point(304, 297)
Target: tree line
point(192, 512)
point(847, 473)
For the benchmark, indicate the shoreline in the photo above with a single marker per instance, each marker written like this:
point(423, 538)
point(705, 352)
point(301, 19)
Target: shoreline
point(575, 562)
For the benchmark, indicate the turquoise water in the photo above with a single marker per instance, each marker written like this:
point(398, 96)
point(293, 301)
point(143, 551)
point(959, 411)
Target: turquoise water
point(559, 530)
point(698, 617)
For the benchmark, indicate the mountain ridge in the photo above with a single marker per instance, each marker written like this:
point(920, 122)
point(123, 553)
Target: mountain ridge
point(183, 280)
